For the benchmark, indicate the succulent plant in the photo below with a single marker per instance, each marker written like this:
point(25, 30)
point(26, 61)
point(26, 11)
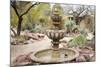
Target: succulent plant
point(79, 40)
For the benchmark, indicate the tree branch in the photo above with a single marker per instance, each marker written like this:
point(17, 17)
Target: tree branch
point(13, 31)
point(13, 4)
point(81, 12)
point(29, 9)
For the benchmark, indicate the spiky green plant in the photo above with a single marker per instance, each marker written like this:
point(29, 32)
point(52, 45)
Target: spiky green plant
point(79, 40)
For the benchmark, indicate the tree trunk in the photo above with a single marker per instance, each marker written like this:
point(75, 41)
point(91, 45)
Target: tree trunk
point(20, 17)
point(19, 25)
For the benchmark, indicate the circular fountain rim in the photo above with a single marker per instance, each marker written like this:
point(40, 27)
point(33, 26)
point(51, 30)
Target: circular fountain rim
point(34, 58)
point(56, 30)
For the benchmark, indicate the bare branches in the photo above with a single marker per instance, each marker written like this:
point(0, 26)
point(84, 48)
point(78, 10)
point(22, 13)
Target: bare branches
point(13, 31)
point(13, 4)
point(16, 6)
point(29, 9)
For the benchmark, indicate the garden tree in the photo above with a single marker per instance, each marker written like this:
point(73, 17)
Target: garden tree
point(39, 11)
point(21, 8)
point(79, 11)
point(39, 14)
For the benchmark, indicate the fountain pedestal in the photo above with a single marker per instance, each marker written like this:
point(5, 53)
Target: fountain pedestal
point(55, 36)
point(55, 44)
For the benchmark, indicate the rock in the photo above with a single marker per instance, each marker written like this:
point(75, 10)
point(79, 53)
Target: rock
point(90, 36)
point(26, 42)
point(88, 53)
point(66, 39)
point(29, 41)
point(13, 41)
point(92, 58)
point(23, 59)
point(80, 59)
point(91, 43)
point(63, 45)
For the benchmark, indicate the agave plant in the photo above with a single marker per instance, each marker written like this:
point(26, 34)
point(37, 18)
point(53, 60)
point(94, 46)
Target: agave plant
point(79, 40)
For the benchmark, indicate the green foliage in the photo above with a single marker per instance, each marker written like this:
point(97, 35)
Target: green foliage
point(22, 6)
point(21, 38)
point(14, 18)
point(69, 23)
point(79, 40)
point(38, 15)
point(34, 16)
point(37, 12)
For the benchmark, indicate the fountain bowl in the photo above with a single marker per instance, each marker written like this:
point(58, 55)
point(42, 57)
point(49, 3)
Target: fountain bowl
point(54, 56)
point(55, 35)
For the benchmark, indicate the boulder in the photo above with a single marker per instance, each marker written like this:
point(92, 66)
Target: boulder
point(23, 59)
point(80, 59)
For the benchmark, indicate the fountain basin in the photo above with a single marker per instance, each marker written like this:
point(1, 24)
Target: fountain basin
point(55, 36)
point(54, 55)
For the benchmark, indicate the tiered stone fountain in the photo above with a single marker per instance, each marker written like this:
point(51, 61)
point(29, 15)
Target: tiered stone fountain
point(55, 54)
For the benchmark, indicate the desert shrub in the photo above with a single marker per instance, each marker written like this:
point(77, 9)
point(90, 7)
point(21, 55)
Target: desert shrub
point(79, 40)
point(21, 38)
point(70, 23)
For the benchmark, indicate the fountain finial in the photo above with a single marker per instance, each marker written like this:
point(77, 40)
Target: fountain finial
point(56, 17)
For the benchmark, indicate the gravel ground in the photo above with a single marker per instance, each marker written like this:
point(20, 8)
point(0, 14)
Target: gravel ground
point(17, 50)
